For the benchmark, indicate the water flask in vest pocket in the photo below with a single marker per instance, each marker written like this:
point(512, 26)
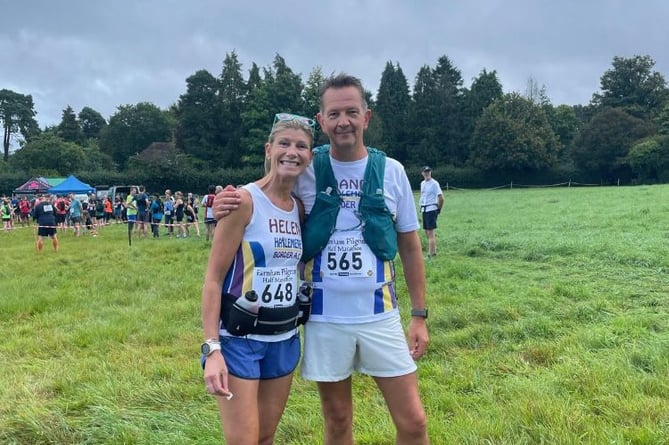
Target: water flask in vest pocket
point(243, 314)
point(304, 301)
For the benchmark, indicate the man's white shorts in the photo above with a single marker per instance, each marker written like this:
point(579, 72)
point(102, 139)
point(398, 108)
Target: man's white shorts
point(332, 351)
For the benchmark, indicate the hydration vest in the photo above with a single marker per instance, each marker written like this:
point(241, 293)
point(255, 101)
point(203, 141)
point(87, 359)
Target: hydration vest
point(378, 225)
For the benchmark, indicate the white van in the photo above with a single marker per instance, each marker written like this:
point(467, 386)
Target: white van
point(121, 190)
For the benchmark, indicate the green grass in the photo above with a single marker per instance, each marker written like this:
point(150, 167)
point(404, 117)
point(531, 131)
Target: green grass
point(548, 319)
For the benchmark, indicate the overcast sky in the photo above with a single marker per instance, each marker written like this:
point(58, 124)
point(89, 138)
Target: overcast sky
point(103, 54)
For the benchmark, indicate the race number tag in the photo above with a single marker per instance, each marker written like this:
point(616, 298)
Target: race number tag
point(275, 286)
point(347, 257)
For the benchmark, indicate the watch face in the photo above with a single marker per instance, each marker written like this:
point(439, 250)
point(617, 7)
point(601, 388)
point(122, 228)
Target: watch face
point(205, 348)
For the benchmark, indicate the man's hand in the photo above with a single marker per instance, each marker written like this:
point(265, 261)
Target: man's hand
point(226, 201)
point(418, 337)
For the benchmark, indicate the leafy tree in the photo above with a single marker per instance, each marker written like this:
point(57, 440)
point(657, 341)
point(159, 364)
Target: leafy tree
point(285, 88)
point(484, 90)
point(310, 96)
point(279, 90)
point(392, 106)
point(443, 113)
point(256, 119)
point(232, 93)
point(633, 85)
point(91, 123)
point(374, 133)
point(162, 163)
point(584, 114)
point(96, 160)
point(450, 132)
point(255, 79)
point(423, 119)
point(69, 129)
point(564, 122)
point(311, 100)
point(604, 143)
point(48, 153)
point(649, 159)
point(513, 135)
point(198, 114)
point(133, 128)
point(662, 120)
point(17, 113)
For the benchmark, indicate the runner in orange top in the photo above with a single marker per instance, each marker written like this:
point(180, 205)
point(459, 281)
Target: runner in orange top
point(109, 210)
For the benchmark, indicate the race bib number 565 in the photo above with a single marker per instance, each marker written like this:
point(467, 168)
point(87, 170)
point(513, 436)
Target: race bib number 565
point(347, 258)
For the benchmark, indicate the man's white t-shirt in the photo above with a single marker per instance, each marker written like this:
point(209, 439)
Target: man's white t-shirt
point(429, 194)
point(352, 285)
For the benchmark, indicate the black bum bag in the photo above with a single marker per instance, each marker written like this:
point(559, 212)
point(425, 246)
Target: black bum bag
point(240, 321)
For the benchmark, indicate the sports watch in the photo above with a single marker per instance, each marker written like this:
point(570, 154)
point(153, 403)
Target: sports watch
point(209, 346)
point(422, 313)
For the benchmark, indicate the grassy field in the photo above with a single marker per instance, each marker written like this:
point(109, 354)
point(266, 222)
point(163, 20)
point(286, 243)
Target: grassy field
point(549, 319)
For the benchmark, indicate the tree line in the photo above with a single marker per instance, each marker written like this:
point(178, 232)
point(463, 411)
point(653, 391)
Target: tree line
point(474, 135)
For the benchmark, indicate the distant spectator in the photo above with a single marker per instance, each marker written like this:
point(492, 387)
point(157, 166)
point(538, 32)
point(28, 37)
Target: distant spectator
point(431, 201)
point(92, 204)
point(208, 204)
point(62, 206)
point(131, 211)
point(109, 210)
point(14, 204)
point(24, 211)
point(193, 203)
point(191, 219)
point(179, 206)
point(76, 211)
point(100, 212)
point(119, 209)
point(143, 216)
point(157, 212)
point(85, 215)
point(168, 210)
point(6, 213)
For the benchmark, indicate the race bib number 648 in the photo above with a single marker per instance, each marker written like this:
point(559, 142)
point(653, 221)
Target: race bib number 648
point(275, 286)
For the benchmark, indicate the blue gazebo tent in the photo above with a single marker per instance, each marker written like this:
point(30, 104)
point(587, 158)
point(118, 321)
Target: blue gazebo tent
point(72, 185)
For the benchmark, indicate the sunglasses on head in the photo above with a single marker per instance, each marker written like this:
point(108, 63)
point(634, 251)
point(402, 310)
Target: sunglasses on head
point(286, 117)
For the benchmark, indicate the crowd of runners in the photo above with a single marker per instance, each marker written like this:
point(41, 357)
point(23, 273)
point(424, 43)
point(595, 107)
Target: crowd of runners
point(170, 214)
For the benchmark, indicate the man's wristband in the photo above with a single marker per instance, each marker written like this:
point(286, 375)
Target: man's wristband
point(422, 313)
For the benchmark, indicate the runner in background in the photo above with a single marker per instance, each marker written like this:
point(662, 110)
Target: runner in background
point(131, 211)
point(45, 216)
point(209, 220)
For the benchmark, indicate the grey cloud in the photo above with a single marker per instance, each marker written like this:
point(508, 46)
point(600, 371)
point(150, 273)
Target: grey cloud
point(102, 55)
